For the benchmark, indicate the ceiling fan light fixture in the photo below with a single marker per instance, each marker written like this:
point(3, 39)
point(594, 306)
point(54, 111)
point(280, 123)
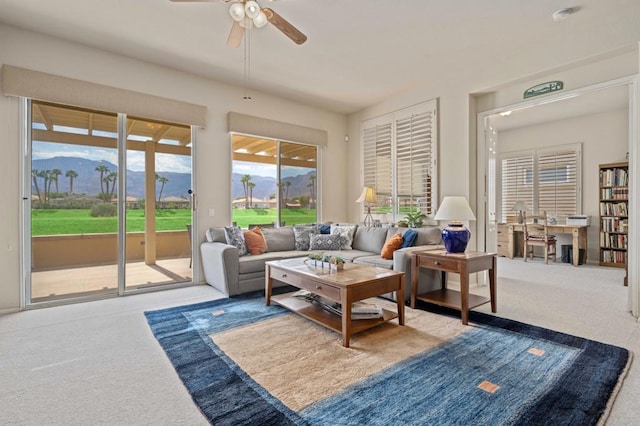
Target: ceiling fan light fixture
point(252, 9)
point(237, 12)
point(260, 20)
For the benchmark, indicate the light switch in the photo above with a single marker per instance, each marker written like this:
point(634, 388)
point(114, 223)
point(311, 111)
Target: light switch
point(212, 212)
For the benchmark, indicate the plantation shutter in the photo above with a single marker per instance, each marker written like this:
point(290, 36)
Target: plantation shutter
point(399, 159)
point(414, 161)
point(557, 182)
point(546, 180)
point(376, 147)
point(517, 184)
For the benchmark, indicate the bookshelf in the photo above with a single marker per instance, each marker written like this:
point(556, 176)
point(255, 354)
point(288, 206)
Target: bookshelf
point(614, 204)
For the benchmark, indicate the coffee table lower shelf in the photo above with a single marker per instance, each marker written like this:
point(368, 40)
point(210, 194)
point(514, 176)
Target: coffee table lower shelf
point(451, 299)
point(319, 315)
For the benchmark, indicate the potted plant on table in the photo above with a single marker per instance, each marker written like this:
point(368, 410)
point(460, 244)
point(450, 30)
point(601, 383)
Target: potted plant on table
point(413, 220)
point(337, 262)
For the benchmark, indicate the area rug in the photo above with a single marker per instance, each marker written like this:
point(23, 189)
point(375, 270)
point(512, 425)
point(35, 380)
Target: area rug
point(245, 363)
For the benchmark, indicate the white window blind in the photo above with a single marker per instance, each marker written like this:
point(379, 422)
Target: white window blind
point(414, 161)
point(546, 180)
point(399, 160)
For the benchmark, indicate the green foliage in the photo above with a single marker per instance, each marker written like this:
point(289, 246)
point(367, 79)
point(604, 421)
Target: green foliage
point(80, 221)
point(414, 219)
point(104, 210)
point(289, 216)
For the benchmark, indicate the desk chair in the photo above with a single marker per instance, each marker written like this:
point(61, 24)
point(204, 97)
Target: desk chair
point(537, 234)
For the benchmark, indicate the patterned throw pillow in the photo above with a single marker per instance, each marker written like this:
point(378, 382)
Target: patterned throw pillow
point(347, 231)
point(234, 237)
point(326, 242)
point(303, 236)
point(256, 244)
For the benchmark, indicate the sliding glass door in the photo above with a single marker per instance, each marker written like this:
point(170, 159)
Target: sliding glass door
point(76, 209)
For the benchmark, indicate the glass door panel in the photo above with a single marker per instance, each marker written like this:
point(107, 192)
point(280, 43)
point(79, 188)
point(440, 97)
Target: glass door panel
point(158, 208)
point(298, 183)
point(74, 219)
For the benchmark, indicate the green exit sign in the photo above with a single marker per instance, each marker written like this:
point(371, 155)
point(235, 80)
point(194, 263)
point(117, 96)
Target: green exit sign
point(543, 88)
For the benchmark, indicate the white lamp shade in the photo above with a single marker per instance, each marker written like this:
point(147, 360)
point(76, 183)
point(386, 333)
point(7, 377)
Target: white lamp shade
point(237, 12)
point(260, 20)
point(519, 205)
point(368, 195)
point(454, 208)
point(252, 9)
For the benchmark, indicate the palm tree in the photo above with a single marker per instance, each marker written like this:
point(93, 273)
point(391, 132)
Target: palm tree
point(71, 174)
point(113, 178)
point(162, 180)
point(102, 170)
point(251, 185)
point(287, 184)
point(55, 173)
point(35, 174)
point(312, 189)
point(44, 174)
point(245, 181)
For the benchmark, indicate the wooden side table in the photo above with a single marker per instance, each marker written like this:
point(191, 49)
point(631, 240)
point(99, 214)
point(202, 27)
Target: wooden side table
point(461, 263)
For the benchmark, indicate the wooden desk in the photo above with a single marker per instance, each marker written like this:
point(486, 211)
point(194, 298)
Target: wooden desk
point(461, 263)
point(578, 232)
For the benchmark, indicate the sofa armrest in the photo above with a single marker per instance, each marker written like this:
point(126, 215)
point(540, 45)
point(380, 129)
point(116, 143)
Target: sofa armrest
point(221, 267)
point(402, 263)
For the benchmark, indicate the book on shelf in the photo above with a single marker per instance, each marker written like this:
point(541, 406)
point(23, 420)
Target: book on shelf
point(359, 310)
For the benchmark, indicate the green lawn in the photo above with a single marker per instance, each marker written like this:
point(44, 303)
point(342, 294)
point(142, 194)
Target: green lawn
point(246, 217)
point(60, 222)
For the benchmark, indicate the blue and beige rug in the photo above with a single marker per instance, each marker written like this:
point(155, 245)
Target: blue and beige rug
point(246, 363)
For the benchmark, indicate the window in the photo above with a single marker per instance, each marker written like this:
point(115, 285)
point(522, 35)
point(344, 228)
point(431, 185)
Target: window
point(399, 160)
point(273, 182)
point(546, 180)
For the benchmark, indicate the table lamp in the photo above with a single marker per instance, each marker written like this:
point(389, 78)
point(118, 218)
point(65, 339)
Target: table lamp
point(455, 236)
point(520, 206)
point(368, 197)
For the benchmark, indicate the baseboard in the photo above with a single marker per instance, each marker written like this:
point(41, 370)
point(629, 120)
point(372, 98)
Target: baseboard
point(9, 311)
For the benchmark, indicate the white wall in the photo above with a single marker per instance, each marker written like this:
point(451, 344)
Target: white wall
point(604, 138)
point(213, 162)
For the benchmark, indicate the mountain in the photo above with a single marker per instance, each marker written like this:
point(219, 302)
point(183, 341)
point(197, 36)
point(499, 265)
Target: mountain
point(266, 186)
point(88, 180)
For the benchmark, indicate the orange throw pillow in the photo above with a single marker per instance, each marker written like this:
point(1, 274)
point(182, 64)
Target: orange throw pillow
point(391, 245)
point(256, 243)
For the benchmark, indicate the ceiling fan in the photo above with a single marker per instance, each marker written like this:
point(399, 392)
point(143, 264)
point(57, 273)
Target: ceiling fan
point(248, 13)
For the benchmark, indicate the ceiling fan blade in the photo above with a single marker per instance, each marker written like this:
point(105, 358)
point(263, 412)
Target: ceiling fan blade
point(235, 35)
point(283, 25)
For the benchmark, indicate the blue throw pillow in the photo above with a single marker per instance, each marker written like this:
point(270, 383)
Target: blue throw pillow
point(408, 238)
point(325, 229)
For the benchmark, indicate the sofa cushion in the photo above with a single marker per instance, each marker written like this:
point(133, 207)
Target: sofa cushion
point(235, 238)
point(255, 264)
point(327, 242)
point(369, 239)
point(279, 239)
point(216, 235)
point(302, 234)
point(347, 231)
point(374, 261)
point(408, 238)
point(391, 245)
point(255, 241)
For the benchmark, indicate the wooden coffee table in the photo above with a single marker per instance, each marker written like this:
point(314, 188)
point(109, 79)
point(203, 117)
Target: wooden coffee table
point(354, 283)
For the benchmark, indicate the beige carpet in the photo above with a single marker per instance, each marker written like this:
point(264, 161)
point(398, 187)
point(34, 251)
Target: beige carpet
point(300, 362)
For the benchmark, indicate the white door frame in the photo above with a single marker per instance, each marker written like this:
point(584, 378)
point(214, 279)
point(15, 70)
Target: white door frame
point(634, 162)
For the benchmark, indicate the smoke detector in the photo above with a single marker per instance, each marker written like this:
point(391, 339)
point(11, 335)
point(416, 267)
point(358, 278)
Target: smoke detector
point(561, 14)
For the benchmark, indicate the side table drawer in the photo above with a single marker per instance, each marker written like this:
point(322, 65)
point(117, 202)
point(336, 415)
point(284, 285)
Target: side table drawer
point(285, 277)
point(439, 264)
point(322, 289)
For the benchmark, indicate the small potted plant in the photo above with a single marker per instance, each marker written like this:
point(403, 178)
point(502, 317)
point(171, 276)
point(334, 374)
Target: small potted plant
point(337, 262)
point(414, 219)
point(314, 259)
point(326, 259)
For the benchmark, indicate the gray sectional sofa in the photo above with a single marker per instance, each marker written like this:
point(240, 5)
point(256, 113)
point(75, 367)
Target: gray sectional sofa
point(232, 274)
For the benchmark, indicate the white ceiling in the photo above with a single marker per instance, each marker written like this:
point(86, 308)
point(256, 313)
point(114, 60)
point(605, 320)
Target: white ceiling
point(358, 52)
